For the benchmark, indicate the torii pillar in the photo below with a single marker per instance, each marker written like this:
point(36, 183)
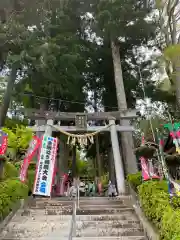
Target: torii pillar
point(120, 179)
point(49, 130)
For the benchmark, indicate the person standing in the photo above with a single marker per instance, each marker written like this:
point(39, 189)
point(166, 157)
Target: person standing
point(111, 190)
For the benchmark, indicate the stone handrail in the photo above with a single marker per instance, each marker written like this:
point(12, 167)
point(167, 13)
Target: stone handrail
point(73, 222)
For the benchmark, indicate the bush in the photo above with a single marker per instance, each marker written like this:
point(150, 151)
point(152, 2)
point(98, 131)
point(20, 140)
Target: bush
point(30, 174)
point(18, 165)
point(135, 180)
point(170, 225)
point(154, 200)
point(9, 171)
point(30, 180)
point(11, 191)
point(32, 166)
point(156, 204)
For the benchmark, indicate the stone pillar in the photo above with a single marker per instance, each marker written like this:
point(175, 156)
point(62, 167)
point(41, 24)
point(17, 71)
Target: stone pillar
point(111, 165)
point(48, 130)
point(117, 158)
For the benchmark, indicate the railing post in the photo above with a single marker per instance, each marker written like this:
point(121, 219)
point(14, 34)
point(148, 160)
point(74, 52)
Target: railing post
point(74, 221)
point(72, 232)
point(78, 197)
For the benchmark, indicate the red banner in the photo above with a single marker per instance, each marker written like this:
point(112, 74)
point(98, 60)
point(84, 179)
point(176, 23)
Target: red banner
point(33, 146)
point(3, 142)
point(152, 173)
point(64, 178)
point(145, 169)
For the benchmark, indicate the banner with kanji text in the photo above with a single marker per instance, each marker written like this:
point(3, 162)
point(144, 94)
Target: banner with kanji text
point(45, 167)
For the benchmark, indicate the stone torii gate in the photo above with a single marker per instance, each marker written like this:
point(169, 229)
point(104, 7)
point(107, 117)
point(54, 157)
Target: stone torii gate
point(81, 125)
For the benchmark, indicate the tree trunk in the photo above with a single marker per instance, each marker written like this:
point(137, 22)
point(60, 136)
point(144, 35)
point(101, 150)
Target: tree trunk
point(5, 104)
point(126, 137)
point(177, 71)
point(98, 157)
point(7, 95)
point(2, 162)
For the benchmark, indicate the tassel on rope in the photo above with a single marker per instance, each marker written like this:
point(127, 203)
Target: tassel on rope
point(91, 139)
point(73, 141)
point(68, 141)
point(85, 141)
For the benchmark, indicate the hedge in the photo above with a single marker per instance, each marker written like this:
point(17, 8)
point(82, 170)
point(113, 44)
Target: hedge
point(135, 180)
point(158, 208)
point(32, 165)
point(9, 171)
point(11, 191)
point(30, 180)
point(30, 174)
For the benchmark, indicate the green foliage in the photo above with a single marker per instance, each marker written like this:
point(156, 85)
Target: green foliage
point(105, 180)
point(81, 167)
point(156, 204)
point(30, 174)
point(12, 123)
point(11, 191)
point(9, 171)
point(18, 140)
point(135, 180)
point(18, 165)
point(30, 180)
point(113, 17)
point(154, 199)
point(145, 151)
point(172, 52)
point(170, 226)
point(32, 166)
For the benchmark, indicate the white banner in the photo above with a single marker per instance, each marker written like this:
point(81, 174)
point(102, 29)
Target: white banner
point(45, 166)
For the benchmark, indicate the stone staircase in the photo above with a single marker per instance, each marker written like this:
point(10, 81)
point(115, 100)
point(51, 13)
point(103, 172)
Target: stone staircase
point(97, 218)
point(105, 219)
point(41, 219)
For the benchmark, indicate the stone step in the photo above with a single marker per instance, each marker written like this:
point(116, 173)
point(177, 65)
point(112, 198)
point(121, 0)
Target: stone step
point(102, 207)
point(50, 211)
point(50, 218)
point(37, 231)
point(106, 224)
point(104, 211)
point(96, 201)
point(79, 238)
point(111, 238)
point(121, 197)
point(116, 232)
point(30, 224)
point(82, 203)
point(98, 218)
point(106, 217)
point(41, 212)
point(82, 211)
